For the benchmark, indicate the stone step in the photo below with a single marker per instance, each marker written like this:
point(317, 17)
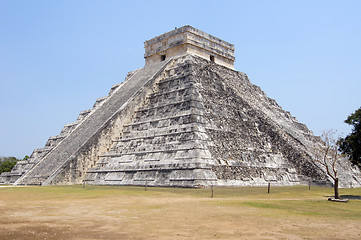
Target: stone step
point(170, 105)
point(151, 134)
point(83, 114)
point(99, 101)
point(181, 113)
point(114, 87)
point(68, 128)
point(173, 91)
point(170, 149)
point(53, 141)
point(198, 164)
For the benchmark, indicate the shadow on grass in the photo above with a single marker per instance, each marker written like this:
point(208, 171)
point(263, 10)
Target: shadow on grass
point(351, 197)
point(354, 197)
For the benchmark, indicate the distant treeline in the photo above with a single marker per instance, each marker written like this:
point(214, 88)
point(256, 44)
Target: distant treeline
point(7, 163)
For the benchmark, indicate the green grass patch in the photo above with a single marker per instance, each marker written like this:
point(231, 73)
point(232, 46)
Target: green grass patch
point(232, 210)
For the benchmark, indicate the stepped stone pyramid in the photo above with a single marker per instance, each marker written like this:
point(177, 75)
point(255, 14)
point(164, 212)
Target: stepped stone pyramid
point(186, 119)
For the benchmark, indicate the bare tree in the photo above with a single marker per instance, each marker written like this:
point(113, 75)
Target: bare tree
point(327, 154)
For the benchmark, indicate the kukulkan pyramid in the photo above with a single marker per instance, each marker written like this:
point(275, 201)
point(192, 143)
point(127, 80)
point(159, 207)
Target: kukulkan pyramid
point(186, 119)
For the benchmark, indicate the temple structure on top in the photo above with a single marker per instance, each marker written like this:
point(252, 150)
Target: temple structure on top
point(189, 40)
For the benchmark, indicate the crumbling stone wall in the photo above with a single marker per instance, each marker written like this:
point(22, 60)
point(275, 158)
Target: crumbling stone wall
point(238, 128)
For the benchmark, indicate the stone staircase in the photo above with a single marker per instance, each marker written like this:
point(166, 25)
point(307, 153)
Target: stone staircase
point(165, 143)
point(58, 149)
point(38, 154)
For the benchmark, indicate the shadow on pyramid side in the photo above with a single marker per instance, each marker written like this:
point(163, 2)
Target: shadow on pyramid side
point(186, 119)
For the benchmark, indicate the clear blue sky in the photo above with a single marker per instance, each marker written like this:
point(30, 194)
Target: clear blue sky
point(58, 57)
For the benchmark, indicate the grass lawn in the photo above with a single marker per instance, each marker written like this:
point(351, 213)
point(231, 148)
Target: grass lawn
point(71, 212)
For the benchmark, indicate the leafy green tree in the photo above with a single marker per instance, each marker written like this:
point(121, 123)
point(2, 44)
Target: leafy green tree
point(351, 144)
point(12, 159)
point(7, 163)
point(6, 166)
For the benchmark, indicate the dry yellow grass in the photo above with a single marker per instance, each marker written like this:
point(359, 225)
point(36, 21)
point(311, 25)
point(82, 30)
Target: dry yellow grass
point(71, 212)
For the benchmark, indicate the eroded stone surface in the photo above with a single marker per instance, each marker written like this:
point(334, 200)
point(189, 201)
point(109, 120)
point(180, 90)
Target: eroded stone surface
point(184, 121)
point(205, 124)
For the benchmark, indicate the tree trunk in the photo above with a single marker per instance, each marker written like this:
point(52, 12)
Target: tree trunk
point(337, 196)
